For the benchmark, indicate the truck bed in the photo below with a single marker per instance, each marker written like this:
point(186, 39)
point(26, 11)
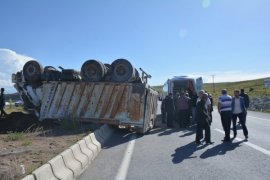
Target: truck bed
point(131, 104)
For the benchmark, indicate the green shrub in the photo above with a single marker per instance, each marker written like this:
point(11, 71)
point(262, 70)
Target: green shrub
point(15, 136)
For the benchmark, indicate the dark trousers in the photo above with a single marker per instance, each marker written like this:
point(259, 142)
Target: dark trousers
point(242, 119)
point(199, 132)
point(226, 117)
point(170, 115)
point(163, 116)
point(3, 113)
point(184, 119)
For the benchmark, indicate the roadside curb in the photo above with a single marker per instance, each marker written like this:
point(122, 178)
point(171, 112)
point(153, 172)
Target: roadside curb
point(72, 162)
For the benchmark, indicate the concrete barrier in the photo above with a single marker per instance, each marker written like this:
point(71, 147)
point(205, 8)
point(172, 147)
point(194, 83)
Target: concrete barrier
point(71, 163)
point(91, 146)
point(29, 177)
point(94, 140)
point(59, 168)
point(44, 173)
point(78, 154)
point(86, 150)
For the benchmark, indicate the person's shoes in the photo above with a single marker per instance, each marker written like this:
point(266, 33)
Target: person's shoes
point(246, 137)
point(209, 142)
point(198, 142)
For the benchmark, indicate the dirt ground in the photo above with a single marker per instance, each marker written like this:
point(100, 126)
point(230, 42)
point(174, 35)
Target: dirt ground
point(26, 144)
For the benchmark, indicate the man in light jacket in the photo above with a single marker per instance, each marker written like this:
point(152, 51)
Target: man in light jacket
point(239, 110)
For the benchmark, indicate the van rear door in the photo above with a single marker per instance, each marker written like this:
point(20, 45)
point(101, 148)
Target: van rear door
point(199, 84)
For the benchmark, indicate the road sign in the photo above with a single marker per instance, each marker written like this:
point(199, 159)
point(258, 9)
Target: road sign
point(267, 83)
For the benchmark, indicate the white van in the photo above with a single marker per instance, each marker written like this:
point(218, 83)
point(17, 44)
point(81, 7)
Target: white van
point(182, 83)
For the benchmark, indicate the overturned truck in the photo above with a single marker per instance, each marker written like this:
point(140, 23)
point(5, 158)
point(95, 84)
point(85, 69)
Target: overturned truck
point(100, 93)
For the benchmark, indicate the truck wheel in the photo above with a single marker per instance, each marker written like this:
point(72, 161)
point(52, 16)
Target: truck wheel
point(93, 71)
point(32, 71)
point(123, 71)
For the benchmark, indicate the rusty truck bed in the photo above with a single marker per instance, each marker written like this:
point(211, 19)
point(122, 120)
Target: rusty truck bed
point(102, 102)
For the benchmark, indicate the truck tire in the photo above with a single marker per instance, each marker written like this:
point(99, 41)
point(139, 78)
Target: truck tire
point(93, 71)
point(32, 71)
point(123, 71)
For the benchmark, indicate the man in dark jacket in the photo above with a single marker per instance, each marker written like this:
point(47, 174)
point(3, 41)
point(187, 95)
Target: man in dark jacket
point(169, 106)
point(2, 103)
point(202, 120)
point(182, 106)
point(163, 112)
point(246, 97)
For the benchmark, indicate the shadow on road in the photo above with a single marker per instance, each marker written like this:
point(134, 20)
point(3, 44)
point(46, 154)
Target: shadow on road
point(168, 131)
point(185, 152)
point(190, 131)
point(220, 149)
point(120, 136)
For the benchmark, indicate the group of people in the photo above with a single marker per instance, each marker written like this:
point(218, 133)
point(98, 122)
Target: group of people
point(190, 108)
point(182, 108)
point(178, 108)
point(2, 103)
point(231, 108)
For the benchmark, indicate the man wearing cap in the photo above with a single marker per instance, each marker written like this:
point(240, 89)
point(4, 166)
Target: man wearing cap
point(2, 103)
point(225, 111)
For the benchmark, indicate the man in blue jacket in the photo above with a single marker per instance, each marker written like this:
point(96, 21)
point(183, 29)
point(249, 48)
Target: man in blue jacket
point(239, 110)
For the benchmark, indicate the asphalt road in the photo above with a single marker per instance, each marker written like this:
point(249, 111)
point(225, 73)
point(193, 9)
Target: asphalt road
point(172, 154)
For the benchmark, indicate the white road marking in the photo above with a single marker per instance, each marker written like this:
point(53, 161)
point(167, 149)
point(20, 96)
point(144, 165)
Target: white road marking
point(123, 169)
point(254, 146)
point(258, 118)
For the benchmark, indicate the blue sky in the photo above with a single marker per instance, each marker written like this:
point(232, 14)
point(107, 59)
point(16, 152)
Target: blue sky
point(227, 38)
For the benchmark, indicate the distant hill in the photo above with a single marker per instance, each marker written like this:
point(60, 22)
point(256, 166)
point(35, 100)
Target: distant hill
point(254, 88)
point(259, 95)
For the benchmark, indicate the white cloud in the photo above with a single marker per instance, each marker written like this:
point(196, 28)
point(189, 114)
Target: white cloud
point(10, 62)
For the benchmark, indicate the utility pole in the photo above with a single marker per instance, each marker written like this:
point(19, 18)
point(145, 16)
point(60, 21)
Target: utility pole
point(213, 78)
